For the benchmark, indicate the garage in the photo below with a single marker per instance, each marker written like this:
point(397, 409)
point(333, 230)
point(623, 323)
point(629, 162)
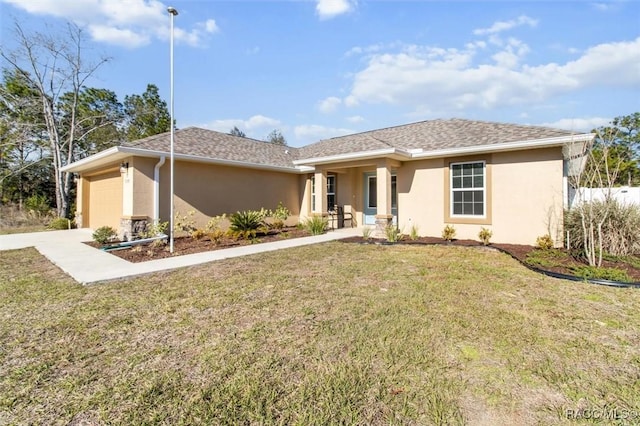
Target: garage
point(103, 199)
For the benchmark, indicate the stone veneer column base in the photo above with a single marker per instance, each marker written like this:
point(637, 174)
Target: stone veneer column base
point(131, 226)
point(382, 221)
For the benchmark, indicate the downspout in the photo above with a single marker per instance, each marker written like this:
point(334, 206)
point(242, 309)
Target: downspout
point(156, 190)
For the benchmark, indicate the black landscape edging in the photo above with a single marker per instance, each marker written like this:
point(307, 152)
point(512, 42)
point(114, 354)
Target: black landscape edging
point(608, 283)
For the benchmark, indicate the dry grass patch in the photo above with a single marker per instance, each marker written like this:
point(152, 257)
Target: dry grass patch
point(326, 334)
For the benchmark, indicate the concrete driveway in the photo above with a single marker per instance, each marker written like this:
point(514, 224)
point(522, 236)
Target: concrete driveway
point(88, 265)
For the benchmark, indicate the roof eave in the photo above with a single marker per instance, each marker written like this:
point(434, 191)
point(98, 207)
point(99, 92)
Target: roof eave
point(118, 153)
point(394, 153)
point(506, 146)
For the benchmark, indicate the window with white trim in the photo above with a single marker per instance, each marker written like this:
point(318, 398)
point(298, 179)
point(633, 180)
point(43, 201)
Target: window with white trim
point(468, 188)
point(331, 191)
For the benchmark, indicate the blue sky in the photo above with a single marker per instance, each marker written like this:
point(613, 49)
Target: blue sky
point(318, 69)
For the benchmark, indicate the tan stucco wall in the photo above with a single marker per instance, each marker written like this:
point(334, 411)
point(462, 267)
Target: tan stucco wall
point(526, 197)
point(211, 190)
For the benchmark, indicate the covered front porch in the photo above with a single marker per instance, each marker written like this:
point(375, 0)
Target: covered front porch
point(359, 193)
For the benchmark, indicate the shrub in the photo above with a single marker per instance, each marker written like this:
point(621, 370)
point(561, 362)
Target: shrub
point(38, 204)
point(184, 223)
point(104, 234)
point(280, 215)
point(61, 223)
point(449, 232)
point(592, 272)
point(620, 229)
point(392, 233)
point(215, 223)
point(316, 225)
point(247, 221)
point(198, 234)
point(485, 235)
point(413, 233)
point(544, 242)
point(154, 230)
point(366, 232)
point(216, 236)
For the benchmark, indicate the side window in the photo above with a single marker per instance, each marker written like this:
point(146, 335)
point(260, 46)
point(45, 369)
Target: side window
point(468, 186)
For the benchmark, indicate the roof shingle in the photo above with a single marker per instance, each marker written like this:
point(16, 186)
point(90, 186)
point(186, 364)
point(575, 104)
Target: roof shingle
point(429, 135)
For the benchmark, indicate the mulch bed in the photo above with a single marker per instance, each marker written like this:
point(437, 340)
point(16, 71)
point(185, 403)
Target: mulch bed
point(188, 245)
point(518, 251)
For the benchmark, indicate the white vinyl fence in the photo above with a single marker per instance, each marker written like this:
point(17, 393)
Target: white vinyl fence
point(623, 194)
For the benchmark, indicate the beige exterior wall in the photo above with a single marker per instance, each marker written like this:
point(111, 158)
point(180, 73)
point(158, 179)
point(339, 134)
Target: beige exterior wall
point(211, 190)
point(524, 196)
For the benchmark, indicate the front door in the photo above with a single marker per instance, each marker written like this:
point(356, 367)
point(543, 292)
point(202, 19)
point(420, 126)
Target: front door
point(371, 198)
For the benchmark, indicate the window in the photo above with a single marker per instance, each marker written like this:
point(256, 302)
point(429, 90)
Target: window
point(468, 189)
point(331, 191)
point(373, 192)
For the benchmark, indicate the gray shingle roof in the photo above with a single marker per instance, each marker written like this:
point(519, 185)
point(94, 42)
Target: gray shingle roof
point(431, 135)
point(221, 146)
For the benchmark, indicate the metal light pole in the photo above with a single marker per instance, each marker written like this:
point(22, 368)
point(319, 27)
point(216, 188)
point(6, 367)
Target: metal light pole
point(172, 12)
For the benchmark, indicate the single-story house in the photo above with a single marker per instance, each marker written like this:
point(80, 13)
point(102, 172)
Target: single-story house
point(511, 179)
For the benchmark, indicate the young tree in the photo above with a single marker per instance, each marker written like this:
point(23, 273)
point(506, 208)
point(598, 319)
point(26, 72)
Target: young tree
point(54, 65)
point(598, 169)
point(276, 137)
point(237, 132)
point(146, 114)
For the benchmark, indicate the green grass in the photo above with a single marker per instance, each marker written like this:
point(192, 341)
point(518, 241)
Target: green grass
point(325, 334)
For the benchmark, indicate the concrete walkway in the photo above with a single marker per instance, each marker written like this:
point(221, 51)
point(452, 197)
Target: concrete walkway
point(88, 265)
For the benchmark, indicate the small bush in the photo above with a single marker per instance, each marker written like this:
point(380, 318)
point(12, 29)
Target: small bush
point(38, 204)
point(61, 223)
point(247, 222)
point(485, 235)
point(198, 234)
point(449, 233)
point(592, 272)
point(184, 223)
point(392, 233)
point(413, 233)
point(215, 223)
point(216, 236)
point(316, 225)
point(104, 234)
point(280, 215)
point(544, 242)
point(366, 232)
point(154, 230)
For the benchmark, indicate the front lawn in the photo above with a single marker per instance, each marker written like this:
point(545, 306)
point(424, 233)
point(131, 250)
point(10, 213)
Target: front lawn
point(326, 334)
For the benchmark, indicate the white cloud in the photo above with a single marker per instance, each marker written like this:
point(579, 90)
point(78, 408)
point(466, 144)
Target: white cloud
point(128, 23)
point(254, 126)
point(579, 124)
point(449, 79)
point(501, 26)
point(314, 132)
point(327, 9)
point(355, 119)
point(329, 104)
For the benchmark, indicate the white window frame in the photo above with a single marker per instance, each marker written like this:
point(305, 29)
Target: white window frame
point(334, 193)
point(452, 190)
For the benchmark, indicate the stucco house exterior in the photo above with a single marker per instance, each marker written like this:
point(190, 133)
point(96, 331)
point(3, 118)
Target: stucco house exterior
point(511, 179)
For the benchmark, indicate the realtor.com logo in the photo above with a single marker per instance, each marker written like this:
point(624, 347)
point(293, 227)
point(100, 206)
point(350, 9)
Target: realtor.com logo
point(613, 413)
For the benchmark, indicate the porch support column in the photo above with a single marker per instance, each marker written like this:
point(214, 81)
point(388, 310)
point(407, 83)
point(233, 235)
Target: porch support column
point(320, 205)
point(384, 217)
